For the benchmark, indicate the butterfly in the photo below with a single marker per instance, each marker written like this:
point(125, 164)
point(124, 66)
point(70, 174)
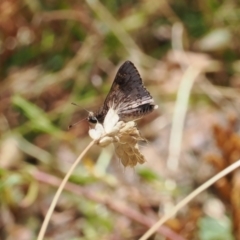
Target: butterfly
point(128, 96)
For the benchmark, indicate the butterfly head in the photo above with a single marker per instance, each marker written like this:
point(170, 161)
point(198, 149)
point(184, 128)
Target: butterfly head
point(92, 118)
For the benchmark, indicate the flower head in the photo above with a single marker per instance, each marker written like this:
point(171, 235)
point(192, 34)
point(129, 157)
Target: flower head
point(124, 136)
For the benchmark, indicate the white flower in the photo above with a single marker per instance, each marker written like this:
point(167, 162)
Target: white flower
point(124, 136)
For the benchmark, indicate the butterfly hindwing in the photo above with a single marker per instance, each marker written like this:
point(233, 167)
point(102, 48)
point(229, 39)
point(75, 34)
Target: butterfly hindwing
point(127, 95)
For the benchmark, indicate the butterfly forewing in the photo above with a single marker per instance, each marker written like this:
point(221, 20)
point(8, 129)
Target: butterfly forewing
point(127, 95)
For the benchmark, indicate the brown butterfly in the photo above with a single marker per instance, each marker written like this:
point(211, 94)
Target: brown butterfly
point(127, 96)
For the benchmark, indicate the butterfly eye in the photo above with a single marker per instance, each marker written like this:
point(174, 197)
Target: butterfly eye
point(92, 119)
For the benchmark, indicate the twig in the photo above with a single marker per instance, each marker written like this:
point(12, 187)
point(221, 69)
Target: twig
point(186, 200)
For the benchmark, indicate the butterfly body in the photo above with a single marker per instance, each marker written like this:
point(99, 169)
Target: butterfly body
point(127, 95)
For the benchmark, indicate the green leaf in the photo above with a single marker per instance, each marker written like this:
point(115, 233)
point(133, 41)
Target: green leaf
point(38, 118)
point(148, 174)
point(215, 229)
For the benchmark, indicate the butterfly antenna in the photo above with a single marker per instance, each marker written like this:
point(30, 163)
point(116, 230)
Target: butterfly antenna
point(75, 104)
point(79, 106)
point(74, 124)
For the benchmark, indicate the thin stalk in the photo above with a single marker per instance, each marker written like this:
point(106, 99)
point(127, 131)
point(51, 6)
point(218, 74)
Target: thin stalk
point(59, 191)
point(190, 197)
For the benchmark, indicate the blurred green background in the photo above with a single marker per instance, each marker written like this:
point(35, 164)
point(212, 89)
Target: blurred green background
point(56, 52)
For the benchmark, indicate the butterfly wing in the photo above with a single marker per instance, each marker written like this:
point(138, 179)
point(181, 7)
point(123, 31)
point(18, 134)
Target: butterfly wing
point(128, 95)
